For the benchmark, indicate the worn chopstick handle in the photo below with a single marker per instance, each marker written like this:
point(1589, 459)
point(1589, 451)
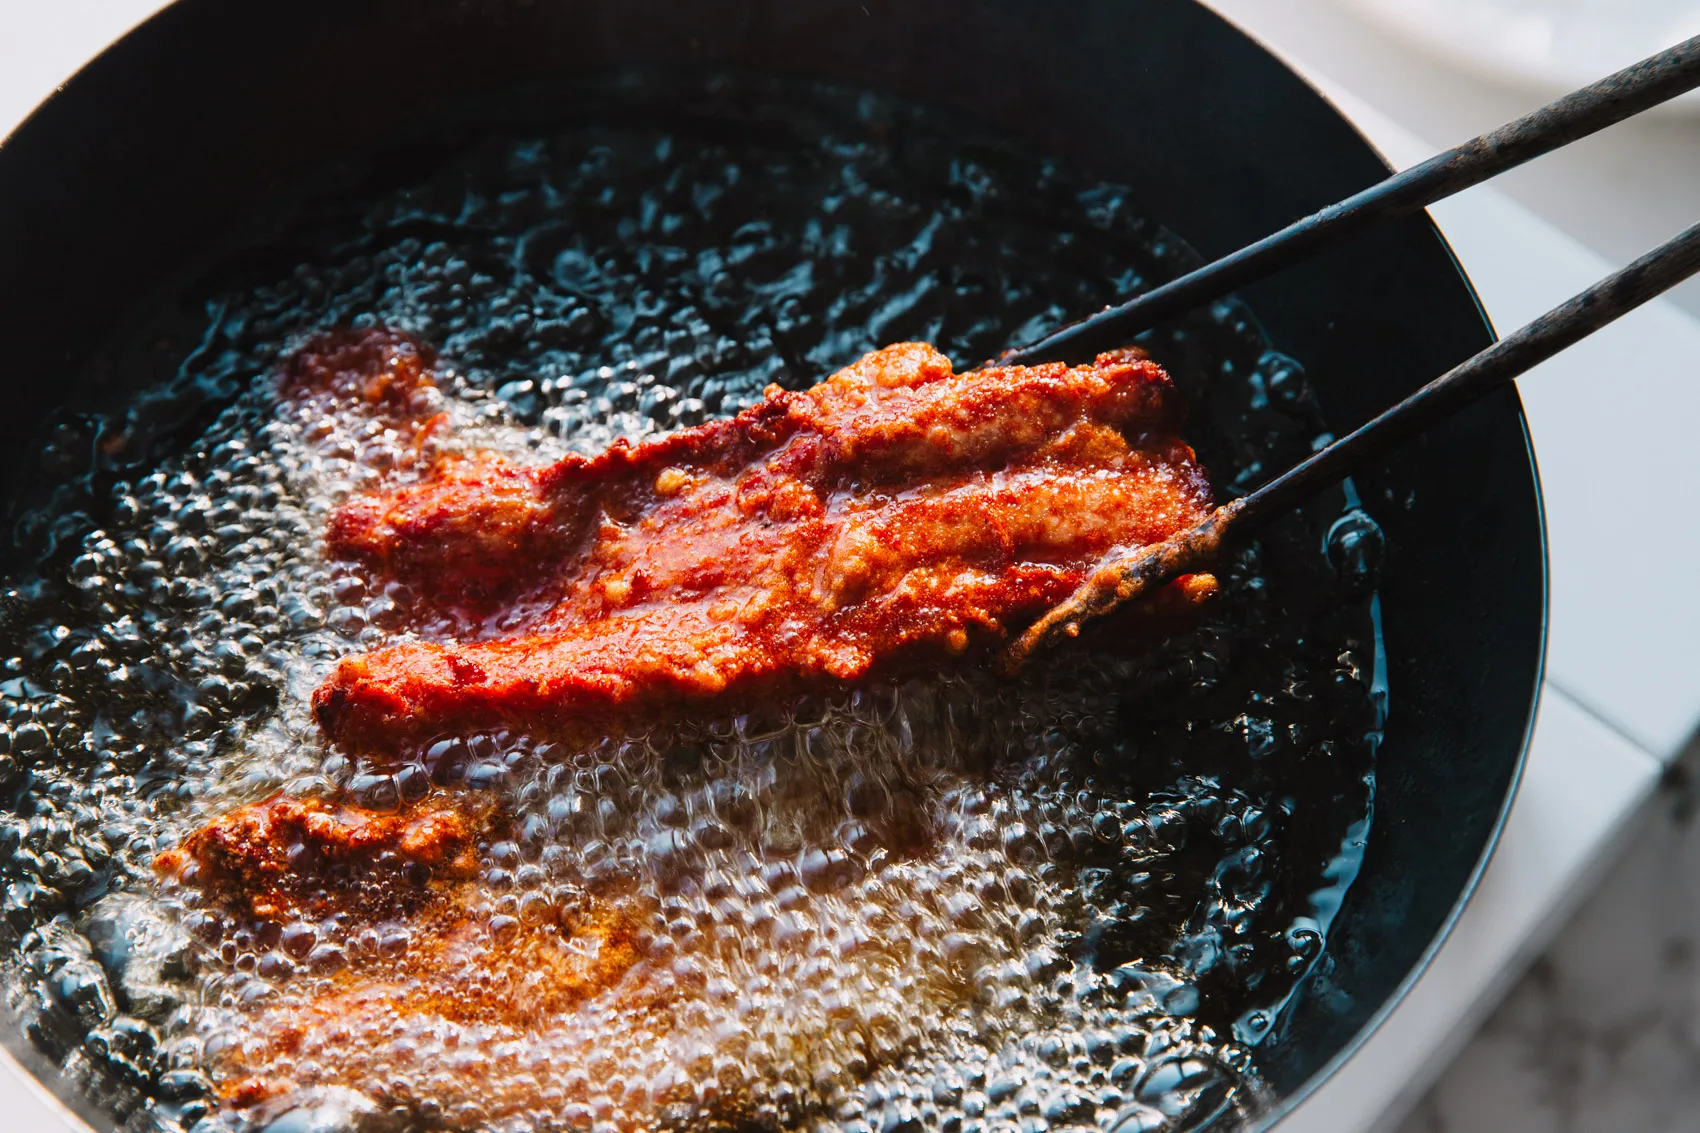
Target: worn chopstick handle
point(1565, 325)
point(1123, 579)
point(1576, 115)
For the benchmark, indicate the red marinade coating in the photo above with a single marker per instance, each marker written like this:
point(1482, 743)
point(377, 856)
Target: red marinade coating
point(894, 514)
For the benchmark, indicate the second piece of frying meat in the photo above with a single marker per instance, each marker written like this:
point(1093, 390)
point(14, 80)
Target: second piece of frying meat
point(894, 513)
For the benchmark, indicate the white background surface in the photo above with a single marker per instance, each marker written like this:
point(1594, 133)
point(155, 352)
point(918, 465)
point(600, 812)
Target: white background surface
point(1547, 45)
point(1600, 1035)
point(1617, 193)
point(1624, 669)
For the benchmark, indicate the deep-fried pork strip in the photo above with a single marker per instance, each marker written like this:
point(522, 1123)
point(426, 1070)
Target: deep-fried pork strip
point(898, 415)
point(306, 855)
point(307, 859)
point(896, 512)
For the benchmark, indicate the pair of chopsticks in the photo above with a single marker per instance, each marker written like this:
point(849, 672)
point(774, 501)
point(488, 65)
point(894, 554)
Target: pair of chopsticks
point(1586, 111)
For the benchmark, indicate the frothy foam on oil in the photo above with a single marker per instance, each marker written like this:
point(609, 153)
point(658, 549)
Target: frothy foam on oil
point(861, 894)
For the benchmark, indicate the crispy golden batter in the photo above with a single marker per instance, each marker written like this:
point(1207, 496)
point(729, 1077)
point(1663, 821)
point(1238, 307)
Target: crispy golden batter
point(892, 515)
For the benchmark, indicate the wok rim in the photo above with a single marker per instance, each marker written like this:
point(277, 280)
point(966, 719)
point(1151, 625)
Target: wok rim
point(75, 1114)
point(1287, 1105)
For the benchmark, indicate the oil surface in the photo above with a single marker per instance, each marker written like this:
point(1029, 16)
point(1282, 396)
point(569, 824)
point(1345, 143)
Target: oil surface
point(1080, 899)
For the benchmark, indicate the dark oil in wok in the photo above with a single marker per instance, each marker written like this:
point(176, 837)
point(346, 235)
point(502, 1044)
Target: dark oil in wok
point(1085, 898)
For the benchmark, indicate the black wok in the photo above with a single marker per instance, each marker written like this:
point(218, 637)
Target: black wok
point(171, 139)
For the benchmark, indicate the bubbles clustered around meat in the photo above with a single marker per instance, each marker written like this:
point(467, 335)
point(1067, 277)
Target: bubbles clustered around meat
point(1082, 899)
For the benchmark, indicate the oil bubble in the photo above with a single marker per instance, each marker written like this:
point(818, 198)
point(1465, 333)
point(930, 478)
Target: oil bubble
point(1356, 548)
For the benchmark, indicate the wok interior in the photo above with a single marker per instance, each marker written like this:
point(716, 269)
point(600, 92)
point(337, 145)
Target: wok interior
point(1219, 141)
